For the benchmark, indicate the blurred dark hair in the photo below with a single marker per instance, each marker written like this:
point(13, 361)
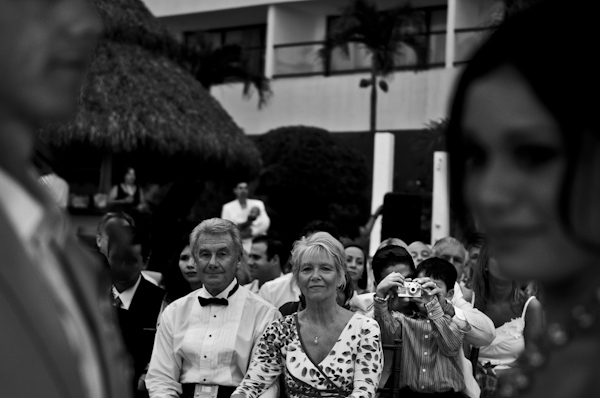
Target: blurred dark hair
point(481, 283)
point(274, 247)
point(174, 283)
point(437, 268)
point(566, 85)
point(111, 215)
point(320, 226)
point(388, 256)
point(362, 282)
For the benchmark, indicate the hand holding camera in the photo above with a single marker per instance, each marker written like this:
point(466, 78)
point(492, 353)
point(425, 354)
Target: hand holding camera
point(389, 283)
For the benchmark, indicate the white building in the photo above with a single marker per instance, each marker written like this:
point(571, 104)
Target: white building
point(283, 37)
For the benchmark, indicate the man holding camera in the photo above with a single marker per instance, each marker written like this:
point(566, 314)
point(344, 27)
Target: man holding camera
point(432, 341)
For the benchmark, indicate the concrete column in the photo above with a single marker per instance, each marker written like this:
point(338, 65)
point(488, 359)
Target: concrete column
point(269, 42)
point(383, 180)
point(450, 34)
point(440, 217)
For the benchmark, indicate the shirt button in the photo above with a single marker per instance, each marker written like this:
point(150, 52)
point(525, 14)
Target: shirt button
point(425, 353)
point(422, 387)
point(210, 335)
point(431, 313)
point(205, 355)
point(214, 316)
point(426, 336)
point(424, 370)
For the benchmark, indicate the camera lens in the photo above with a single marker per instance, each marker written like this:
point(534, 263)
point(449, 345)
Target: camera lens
point(412, 289)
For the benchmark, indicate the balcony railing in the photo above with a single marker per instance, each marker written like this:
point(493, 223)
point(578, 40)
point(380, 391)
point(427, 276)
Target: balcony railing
point(302, 59)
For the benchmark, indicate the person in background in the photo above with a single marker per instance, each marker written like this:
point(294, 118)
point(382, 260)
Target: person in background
point(453, 251)
point(524, 146)
point(205, 339)
point(127, 196)
point(419, 251)
point(392, 242)
point(356, 261)
point(474, 244)
point(58, 336)
point(266, 256)
point(138, 302)
point(518, 318)
point(181, 275)
point(248, 214)
point(324, 349)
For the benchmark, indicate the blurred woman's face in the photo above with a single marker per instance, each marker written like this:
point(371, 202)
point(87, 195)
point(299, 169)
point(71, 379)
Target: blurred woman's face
point(188, 268)
point(355, 261)
point(515, 163)
point(130, 176)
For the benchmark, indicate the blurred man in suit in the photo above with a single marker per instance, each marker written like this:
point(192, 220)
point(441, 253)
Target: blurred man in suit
point(58, 334)
point(138, 301)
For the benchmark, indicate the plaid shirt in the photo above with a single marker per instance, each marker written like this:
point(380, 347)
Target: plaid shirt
point(430, 349)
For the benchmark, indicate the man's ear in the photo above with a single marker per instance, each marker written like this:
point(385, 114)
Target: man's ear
point(275, 260)
point(98, 241)
point(450, 294)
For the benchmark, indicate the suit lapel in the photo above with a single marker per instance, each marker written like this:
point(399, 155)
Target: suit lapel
point(30, 296)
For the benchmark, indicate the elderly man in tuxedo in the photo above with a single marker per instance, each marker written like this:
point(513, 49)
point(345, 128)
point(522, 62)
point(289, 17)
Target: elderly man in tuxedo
point(205, 340)
point(58, 335)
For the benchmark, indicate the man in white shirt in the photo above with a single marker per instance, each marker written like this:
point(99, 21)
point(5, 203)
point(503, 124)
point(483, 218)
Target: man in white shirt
point(453, 251)
point(265, 259)
point(205, 340)
point(248, 214)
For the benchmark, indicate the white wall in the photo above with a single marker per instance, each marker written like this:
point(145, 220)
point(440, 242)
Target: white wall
point(163, 8)
point(293, 26)
point(216, 19)
point(337, 103)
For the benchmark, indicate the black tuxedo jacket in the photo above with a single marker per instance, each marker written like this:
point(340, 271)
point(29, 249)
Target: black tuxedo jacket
point(138, 325)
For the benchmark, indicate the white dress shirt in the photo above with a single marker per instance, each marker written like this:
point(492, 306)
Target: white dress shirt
point(126, 296)
point(209, 345)
point(234, 212)
point(280, 290)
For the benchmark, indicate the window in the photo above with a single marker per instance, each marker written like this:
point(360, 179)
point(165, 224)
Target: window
point(431, 37)
point(251, 39)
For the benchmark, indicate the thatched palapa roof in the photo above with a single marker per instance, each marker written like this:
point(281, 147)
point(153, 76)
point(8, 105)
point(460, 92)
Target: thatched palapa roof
point(139, 97)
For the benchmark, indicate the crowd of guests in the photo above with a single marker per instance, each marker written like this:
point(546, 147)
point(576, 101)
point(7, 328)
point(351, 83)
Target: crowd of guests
point(522, 319)
point(320, 329)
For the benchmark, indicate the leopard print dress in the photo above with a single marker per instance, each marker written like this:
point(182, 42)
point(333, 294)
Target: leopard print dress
point(353, 366)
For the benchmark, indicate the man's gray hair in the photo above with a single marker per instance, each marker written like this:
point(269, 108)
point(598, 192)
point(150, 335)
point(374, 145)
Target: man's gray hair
point(217, 226)
point(317, 244)
point(448, 241)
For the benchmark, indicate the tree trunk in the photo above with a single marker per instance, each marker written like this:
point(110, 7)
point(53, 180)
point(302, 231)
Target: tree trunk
point(373, 115)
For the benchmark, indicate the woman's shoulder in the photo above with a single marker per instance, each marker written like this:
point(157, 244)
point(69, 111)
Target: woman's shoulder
point(365, 322)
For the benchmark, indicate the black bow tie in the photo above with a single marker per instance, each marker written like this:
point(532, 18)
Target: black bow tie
point(217, 301)
point(212, 300)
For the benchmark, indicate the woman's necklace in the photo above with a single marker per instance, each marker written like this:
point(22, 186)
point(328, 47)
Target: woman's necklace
point(583, 317)
point(316, 341)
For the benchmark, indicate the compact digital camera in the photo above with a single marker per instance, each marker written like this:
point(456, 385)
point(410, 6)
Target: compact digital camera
point(410, 289)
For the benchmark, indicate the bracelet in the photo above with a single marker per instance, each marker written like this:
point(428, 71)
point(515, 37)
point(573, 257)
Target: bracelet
point(379, 299)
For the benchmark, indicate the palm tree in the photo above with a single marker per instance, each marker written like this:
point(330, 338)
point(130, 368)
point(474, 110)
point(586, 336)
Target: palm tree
point(386, 35)
point(213, 65)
